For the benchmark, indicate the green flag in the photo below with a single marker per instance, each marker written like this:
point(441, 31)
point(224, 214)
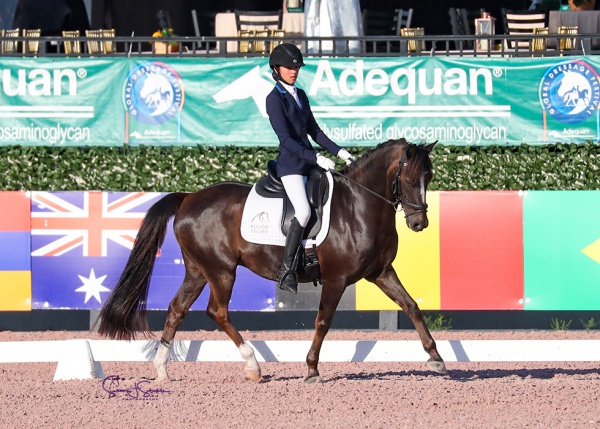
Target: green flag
point(562, 250)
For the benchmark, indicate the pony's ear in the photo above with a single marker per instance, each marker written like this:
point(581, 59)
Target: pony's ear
point(411, 149)
point(430, 146)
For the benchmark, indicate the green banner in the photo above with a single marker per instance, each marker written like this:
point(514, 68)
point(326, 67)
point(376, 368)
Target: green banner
point(47, 101)
point(357, 101)
point(561, 232)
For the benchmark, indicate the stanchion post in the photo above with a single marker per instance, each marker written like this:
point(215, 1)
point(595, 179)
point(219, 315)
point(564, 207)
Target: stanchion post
point(388, 320)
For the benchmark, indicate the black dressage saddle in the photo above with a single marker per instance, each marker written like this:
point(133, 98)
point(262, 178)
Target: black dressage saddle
point(317, 191)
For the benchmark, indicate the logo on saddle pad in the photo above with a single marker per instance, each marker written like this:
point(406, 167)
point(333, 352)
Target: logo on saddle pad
point(262, 223)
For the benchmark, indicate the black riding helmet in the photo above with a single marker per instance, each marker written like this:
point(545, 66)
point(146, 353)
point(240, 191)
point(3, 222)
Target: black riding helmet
point(287, 55)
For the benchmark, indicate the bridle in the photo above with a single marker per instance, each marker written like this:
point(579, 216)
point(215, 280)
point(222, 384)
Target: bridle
point(397, 191)
point(398, 203)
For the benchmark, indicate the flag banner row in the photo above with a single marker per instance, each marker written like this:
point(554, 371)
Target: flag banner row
point(483, 250)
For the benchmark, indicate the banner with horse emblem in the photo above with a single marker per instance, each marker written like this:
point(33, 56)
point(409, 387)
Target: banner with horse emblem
point(357, 101)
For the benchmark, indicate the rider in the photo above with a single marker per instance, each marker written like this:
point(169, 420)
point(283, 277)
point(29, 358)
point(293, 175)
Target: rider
point(293, 121)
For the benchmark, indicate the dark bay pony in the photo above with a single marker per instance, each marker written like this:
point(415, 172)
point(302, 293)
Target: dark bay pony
point(362, 243)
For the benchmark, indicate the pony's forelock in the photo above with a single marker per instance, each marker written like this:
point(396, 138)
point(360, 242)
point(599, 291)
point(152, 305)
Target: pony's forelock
point(418, 163)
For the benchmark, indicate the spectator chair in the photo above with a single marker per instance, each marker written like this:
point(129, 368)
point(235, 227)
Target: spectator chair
point(522, 22)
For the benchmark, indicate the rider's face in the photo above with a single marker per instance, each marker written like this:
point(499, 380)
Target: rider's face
point(289, 74)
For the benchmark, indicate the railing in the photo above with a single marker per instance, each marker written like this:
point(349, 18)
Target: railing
point(367, 46)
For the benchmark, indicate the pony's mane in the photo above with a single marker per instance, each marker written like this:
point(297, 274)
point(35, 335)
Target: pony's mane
point(364, 159)
point(418, 160)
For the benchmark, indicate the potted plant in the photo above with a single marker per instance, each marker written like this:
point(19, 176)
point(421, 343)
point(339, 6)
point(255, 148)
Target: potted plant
point(165, 31)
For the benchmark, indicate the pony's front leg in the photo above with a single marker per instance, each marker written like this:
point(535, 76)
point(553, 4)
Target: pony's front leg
point(252, 369)
point(160, 360)
point(389, 283)
point(330, 298)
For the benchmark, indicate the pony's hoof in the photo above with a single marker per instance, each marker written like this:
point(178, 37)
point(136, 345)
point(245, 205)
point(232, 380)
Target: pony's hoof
point(313, 380)
point(437, 366)
point(162, 379)
point(253, 375)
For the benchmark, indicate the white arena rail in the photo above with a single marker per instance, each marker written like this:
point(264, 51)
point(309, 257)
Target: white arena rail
point(80, 358)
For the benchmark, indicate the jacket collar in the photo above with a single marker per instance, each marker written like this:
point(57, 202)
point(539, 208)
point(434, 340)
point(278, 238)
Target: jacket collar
point(281, 87)
point(287, 87)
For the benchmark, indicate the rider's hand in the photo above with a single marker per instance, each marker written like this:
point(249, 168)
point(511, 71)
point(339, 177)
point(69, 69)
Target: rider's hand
point(325, 163)
point(346, 156)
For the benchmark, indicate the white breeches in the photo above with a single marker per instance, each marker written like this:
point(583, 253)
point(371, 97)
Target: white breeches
point(295, 188)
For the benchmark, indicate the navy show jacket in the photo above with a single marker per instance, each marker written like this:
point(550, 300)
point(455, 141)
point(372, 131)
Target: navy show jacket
point(293, 126)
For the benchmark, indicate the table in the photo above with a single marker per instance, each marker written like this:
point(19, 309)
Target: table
point(588, 22)
point(293, 25)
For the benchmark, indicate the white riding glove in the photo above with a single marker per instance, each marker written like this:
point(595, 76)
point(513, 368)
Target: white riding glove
point(346, 156)
point(325, 163)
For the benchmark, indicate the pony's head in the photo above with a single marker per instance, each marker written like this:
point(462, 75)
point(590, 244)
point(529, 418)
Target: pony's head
point(414, 173)
point(400, 172)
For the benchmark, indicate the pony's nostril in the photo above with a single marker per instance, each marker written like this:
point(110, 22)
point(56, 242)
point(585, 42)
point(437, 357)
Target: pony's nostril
point(419, 225)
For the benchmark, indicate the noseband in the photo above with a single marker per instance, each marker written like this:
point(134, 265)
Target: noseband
point(397, 192)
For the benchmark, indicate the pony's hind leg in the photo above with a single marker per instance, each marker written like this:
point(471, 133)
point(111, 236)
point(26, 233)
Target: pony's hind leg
point(389, 283)
point(218, 310)
point(188, 292)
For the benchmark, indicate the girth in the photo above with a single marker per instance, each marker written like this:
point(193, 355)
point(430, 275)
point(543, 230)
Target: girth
point(317, 191)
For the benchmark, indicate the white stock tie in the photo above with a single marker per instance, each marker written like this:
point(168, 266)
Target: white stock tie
point(295, 95)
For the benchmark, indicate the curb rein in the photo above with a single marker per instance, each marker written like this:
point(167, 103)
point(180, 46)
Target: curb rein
point(396, 191)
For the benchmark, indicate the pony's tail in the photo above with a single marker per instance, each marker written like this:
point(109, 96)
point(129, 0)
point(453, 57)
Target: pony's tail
point(124, 313)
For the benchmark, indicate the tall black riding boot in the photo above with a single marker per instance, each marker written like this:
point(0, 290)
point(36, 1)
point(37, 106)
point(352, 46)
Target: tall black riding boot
point(287, 278)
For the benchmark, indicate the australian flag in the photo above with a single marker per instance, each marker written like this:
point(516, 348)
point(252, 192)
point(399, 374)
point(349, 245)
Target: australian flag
point(80, 242)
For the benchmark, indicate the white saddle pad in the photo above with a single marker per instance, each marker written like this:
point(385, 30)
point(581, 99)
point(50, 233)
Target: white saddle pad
point(261, 220)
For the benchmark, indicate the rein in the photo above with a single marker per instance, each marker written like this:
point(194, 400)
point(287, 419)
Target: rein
point(392, 203)
point(396, 191)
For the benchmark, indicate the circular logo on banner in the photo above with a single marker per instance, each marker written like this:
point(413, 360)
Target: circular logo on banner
point(570, 91)
point(153, 92)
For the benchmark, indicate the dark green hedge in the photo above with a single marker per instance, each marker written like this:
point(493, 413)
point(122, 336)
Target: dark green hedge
point(177, 168)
